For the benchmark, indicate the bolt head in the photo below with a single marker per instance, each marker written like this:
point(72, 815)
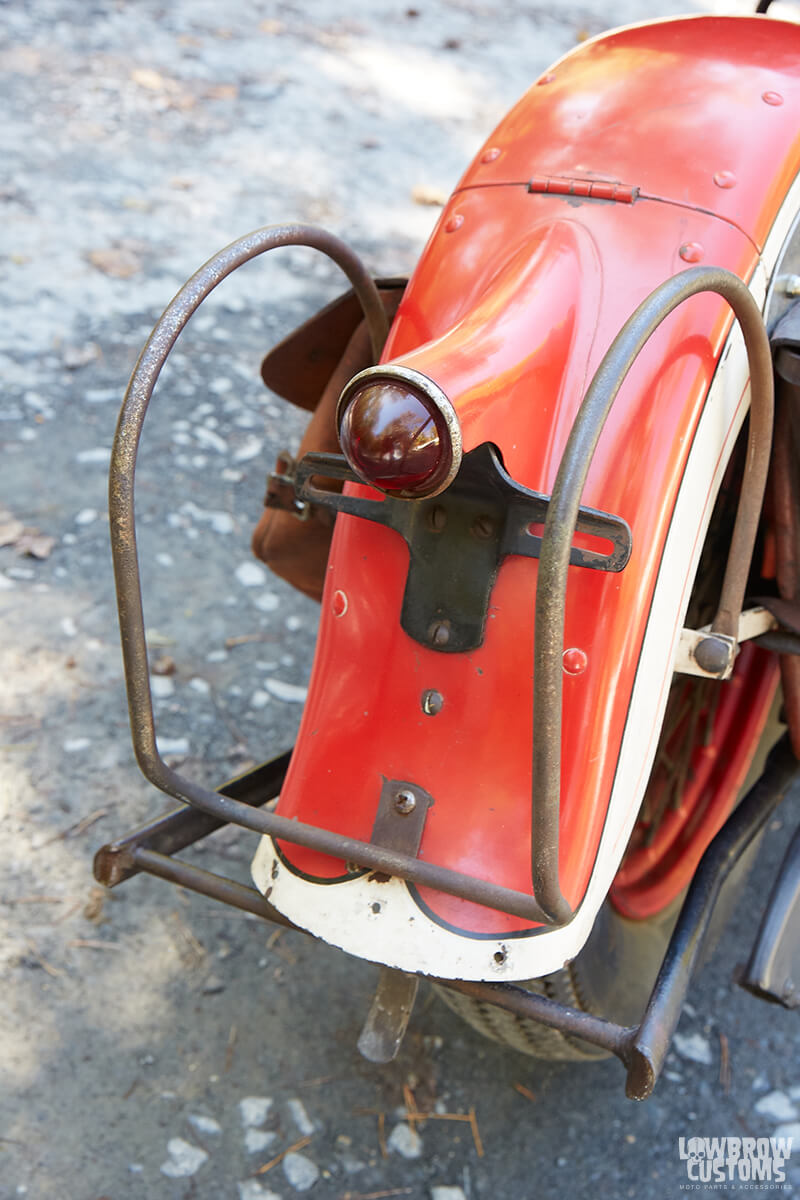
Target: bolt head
point(482, 526)
point(439, 633)
point(712, 654)
point(405, 802)
point(432, 702)
point(437, 518)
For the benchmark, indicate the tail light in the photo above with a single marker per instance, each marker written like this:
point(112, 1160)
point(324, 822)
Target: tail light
point(399, 432)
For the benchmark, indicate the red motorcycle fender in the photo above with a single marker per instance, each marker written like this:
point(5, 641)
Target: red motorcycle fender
point(518, 294)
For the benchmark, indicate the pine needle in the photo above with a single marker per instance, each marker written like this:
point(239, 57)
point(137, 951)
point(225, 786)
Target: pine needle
point(273, 1162)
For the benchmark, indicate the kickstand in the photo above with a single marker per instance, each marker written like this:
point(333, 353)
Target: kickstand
point(388, 1016)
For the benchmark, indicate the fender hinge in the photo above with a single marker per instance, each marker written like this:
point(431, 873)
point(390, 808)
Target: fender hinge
point(586, 189)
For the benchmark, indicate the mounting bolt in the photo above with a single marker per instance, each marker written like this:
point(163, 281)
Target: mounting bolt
point(790, 285)
point(482, 526)
point(405, 802)
point(713, 654)
point(432, 702)
point(437, 518)
point(439, 633)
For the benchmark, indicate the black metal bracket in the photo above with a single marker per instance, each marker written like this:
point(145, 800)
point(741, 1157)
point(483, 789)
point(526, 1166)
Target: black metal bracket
point(457, 540)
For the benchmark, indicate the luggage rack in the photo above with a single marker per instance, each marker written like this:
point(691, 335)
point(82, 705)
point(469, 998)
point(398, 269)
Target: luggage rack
point(241, 802)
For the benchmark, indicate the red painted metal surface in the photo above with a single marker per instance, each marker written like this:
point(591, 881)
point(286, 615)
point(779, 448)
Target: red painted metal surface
point(666, 107)
point(515, 300)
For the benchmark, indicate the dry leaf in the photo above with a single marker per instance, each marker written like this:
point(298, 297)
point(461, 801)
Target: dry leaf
point(165, 665)
point(34, 544)
point(80, 356)
point(222, 91)
point(183, 101)
point(191, 951)
point(147, 78)
point(423, 194)
point(24, 538)
point(93, 909)
point(155, 639)
point(115, 261)
point(136, 203)
point(10, 530)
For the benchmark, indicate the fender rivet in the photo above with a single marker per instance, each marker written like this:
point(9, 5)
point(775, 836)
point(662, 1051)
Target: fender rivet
point(691, 252)
point(339, 603)
point(432, 702)
point(725, 179)
point(574, 660)
point(774, 98)
point(455, 222)
point(491, 155)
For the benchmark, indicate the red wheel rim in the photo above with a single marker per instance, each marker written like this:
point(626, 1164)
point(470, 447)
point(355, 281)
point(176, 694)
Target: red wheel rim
point(710, 736)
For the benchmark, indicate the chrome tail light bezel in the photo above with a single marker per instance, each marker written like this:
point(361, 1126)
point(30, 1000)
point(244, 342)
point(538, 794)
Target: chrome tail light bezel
point(431, 394)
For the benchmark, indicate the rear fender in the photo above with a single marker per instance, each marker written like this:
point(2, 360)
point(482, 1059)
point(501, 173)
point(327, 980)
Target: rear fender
point(514, 302)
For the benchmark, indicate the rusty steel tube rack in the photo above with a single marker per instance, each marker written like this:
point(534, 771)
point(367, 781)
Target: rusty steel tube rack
point(562, 515)
point(546, 904)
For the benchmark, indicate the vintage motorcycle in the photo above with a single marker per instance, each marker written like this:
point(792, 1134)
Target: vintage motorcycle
point(556, 607)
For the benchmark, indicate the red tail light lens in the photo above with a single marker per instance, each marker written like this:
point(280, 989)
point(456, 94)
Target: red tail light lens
point(399, 432)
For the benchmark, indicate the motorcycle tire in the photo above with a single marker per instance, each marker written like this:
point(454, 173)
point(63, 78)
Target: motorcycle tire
point(611, 977)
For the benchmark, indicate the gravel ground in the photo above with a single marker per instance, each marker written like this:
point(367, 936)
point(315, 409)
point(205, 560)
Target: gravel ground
point(154, 1044)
